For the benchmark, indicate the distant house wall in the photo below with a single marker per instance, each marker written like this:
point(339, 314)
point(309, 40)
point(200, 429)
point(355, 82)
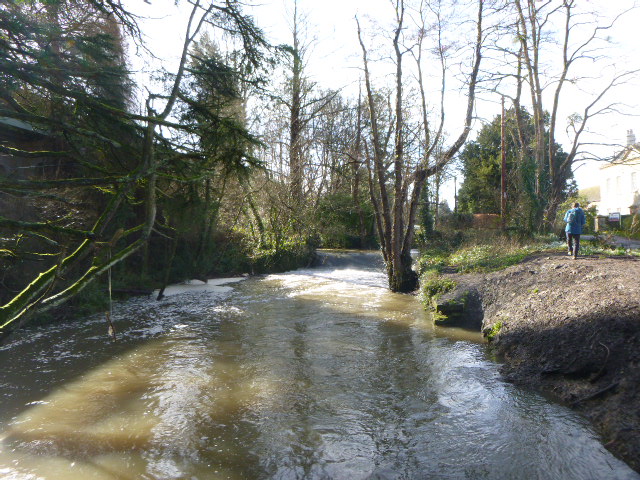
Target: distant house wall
point(486, 220)
point(620, 184)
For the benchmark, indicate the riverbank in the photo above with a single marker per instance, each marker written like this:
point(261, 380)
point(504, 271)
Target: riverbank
point(570, 328)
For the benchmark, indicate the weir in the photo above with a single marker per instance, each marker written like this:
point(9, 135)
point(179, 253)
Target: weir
point(315, 373)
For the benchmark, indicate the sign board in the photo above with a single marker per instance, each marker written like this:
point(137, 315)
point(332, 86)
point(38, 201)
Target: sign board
point(614, 217)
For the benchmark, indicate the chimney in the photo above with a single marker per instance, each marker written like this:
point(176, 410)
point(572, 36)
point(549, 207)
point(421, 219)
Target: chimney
point(631, 138)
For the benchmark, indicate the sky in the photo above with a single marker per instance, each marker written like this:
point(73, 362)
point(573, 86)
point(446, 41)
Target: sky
point(335, 61)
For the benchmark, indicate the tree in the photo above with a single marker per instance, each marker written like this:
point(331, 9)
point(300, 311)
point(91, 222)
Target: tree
point(395, 180)
point(216, 149)
point(553, 39)
point(304, 104)
point(125, 158)
point(481, 167)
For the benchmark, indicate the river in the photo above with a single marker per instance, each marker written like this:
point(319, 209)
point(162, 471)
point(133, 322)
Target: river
point(319, 373)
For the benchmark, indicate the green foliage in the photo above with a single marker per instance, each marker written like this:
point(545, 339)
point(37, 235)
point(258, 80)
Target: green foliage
point(425, 215)
point(441, 240)
point(484, 251)
point(628, 228)
point(433, 259)
point(487, 258)
point(339, 222)
point(590, 213)
point(481, 165)
point(481, 161)
point(432, 286)
point(94, 298)
point(64, 81)
point(493, 331)
point(600, 246)
point(487, 252)
point(291, 254)
point(481, 168)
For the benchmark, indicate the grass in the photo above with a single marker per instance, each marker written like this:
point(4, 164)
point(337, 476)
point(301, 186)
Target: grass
point(432, 285)
point(486, 252)
point(487, 258)
point(588, 248)
point(489, 252)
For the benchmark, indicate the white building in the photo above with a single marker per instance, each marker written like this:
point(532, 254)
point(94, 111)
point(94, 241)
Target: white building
point(620, 181)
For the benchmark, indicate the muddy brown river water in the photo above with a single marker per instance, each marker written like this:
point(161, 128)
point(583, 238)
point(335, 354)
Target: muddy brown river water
point(315, 374)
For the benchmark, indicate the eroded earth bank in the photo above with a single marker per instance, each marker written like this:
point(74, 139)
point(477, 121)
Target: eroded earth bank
point(572, 329)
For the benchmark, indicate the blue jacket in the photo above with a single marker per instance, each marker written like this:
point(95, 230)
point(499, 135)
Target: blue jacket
point(575, 228)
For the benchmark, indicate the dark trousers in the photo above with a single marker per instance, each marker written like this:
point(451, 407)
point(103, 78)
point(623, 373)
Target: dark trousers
point(573, 250)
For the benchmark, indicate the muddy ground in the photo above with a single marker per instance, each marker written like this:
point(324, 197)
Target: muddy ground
point(572, 328)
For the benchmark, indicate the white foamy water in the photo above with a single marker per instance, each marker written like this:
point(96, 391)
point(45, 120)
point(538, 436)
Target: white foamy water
point(217, 286)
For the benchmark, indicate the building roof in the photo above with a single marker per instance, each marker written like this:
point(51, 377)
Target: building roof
point(14, 129)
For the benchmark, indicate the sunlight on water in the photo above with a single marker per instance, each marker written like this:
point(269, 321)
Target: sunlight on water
point(317, 373)
point(153, 399)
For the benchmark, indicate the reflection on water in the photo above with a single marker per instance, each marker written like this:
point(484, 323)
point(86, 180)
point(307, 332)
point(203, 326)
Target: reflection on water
point(318, 373)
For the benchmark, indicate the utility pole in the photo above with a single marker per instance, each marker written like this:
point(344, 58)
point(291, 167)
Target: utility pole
point(503, 178)
point(455, 194)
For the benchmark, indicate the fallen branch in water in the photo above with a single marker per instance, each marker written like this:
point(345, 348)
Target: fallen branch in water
point(111, 330)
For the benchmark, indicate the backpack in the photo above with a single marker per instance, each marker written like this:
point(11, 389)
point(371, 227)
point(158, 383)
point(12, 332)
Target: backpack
point(571, 218)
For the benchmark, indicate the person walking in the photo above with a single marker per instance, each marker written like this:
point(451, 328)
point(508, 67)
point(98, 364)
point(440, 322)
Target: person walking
point(575, 219)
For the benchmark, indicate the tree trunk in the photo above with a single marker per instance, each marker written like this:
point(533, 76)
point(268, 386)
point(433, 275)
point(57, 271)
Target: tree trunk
point(355, 173)
point(167, 272)
point(295, 132)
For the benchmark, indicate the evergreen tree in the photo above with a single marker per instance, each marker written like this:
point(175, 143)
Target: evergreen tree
point(481, 165)
point(62, 73)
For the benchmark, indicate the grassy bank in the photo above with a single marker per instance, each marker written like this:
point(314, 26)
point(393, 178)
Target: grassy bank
point(478, 251)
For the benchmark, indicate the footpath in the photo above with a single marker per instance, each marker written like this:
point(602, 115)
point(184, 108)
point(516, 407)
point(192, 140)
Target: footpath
point(570, 328)
point(618, 241)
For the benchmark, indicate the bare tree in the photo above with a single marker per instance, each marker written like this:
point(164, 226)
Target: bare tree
point(396, 184)
point(581, 37)
point(304, 103)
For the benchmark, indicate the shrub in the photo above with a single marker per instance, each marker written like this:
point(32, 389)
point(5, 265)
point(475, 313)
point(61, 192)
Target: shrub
point(289, 255)
point(338, 221)
point(590, 213)
point(432, 285)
